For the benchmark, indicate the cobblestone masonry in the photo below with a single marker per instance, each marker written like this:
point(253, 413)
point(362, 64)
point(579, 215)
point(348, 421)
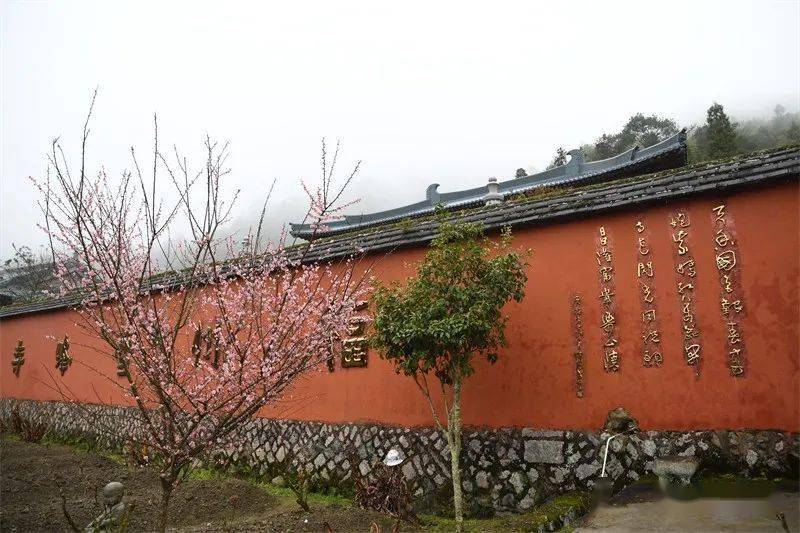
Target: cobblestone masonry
point(505, 470)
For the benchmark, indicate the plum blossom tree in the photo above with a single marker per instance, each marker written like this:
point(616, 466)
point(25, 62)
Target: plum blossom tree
point(206, 331)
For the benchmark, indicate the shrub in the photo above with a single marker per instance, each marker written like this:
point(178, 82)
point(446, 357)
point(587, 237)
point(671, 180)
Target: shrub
point(28, 430)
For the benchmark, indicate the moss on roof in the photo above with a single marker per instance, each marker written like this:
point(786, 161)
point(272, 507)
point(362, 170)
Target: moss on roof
point(549, 192)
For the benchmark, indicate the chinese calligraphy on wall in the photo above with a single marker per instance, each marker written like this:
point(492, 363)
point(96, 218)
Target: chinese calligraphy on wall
point(645, 274)
point(577, 330)
point(608, 319)
point(354, 347)
point(685, 273)
point(731, 301)
point(19, 358)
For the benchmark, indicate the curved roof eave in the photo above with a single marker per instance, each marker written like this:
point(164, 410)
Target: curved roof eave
point(575, 170)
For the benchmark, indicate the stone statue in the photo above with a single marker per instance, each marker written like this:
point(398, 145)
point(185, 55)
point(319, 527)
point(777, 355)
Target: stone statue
point(619, 420)
point(113, 509)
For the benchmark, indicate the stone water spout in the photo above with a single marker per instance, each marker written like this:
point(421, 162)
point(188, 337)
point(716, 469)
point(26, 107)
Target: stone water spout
point(608, 443)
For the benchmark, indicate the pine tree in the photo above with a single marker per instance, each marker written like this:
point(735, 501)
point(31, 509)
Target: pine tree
point(720, 133)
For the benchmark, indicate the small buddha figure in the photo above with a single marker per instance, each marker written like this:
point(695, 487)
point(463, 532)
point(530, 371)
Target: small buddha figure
point(113, 509)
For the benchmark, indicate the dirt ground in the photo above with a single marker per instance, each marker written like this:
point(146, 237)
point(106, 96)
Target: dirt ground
point(31, 474)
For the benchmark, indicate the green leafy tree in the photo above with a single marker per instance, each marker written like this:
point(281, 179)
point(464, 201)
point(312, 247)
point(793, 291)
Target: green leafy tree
point(439, 321)
point(643, 130)
point(604, 147)
point(559, 159)
point(718, 137)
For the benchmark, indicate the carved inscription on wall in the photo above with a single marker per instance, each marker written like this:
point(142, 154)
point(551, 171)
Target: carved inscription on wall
point(608, 318)
point(63, 358)
point(731, 300)
point(577, 329)
point(354, 347)
point(19, 358)
point(645, 275)
point(685, 274)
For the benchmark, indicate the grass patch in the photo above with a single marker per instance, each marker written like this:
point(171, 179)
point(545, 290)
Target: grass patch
point(210, 474)
point(571, 506)
point(313, 497)
point(204, 474)
point(78, 444)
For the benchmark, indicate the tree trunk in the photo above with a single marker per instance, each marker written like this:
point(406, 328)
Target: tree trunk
point(166, 493)
point(455, 453)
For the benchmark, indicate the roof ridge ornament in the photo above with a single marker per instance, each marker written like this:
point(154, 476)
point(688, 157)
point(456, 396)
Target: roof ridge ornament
point(575, 164)
point(432, 194)
point(493, 196)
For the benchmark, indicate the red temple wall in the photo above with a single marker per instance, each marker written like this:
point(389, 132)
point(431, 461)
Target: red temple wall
point(533, 382)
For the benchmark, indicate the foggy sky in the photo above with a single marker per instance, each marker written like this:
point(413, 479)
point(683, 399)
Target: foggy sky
point(422, 92)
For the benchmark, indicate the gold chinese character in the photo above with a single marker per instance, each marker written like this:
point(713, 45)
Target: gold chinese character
point(607, 322)
point(606, 295)
point(651, 336)
point(647, 293)
point(726, 260)
point(643, 249)
point(645, 268)
point(654, 359)
point(611, 342)
point(687, 268)
point(649, 316)
point(657, 358)
point(611, 362)
point(356, 326)
point(354, 352)
point(722, 239)
point(681, 220)
point(605, 272)
point(603, 254)
point(727, 305)
point(639, 226)
point(735, 361)
point(692, 353)
point(734, 337)
point(727, 283)
point(720, 212)
point(690, 332)
point(684, 287)
point(602, 231)
point(678, 239)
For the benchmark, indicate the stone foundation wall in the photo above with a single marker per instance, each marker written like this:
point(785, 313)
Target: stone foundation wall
point(505, 470)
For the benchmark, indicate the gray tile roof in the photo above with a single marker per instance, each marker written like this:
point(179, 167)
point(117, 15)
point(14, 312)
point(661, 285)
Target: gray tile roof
point(561, 203)
point(541, 206)
point(576, 170)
